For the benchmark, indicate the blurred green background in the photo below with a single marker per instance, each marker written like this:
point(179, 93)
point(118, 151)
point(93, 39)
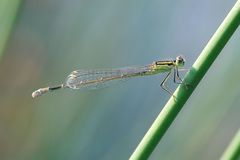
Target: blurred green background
point(51, 38)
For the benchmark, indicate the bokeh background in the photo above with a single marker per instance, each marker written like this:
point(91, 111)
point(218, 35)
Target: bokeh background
point(51, 38)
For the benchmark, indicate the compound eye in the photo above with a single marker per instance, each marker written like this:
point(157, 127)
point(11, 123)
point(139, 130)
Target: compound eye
point(183, 62)
point(179, 58)
point(180, 61)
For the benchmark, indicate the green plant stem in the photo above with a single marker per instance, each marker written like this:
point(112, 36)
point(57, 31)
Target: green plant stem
point(233, 150)
point(193, 77)
point(8, 10)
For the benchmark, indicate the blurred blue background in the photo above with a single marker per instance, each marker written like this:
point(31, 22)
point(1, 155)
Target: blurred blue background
point(51, 38)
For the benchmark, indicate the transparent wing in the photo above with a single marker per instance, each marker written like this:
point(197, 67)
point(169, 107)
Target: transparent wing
point(93, 79)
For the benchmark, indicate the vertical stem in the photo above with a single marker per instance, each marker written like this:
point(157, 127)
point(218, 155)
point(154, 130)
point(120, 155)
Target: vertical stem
point(193, 77)
point(8, 10)
point(233, 150)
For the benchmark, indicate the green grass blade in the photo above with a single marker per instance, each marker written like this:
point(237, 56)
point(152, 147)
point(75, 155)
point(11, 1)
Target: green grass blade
point(233, 150)
point(8, 10)
point(193, 77)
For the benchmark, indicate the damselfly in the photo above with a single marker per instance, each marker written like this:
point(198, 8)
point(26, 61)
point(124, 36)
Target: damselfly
point(93, 78)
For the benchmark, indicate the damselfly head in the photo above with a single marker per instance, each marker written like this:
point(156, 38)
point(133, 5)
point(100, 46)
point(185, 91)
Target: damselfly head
point(180, 61)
